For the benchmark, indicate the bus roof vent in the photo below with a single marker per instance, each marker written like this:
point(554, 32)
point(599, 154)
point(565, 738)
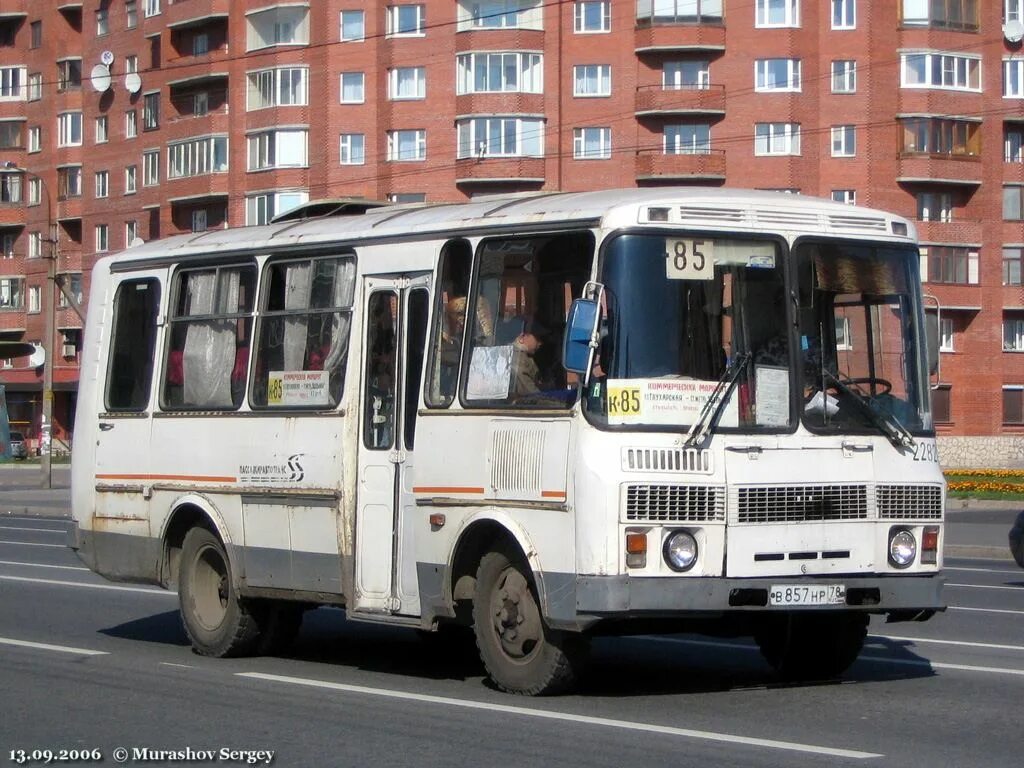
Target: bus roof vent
point(666, 460)
point(710, 214)
point(858, 223)
point(787, 218)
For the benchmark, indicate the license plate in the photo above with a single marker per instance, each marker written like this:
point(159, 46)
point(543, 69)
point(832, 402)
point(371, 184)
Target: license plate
point(807, 594)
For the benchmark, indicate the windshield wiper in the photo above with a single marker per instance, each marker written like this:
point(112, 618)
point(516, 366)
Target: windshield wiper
point(716, 402)
point(898, 435)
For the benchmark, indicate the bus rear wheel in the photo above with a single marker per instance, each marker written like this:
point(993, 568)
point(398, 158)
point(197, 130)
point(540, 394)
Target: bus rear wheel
point(812, 645)
point(520, 652)
point(216, 621)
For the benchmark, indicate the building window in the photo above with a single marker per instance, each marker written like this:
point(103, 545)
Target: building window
point(949, 264)
point(260, 209)
point(131, 124)
point(844, 14)
point(1013, 203)
point(353, 87)
point(592, 143)
point(152, 8)
point(407, 83)
point(946, 334)
point(151, 111)
point(1013, 334)
point(36, 34)
point(131, 179)
point(131, 233)
point(940, 70)
point(131, 12)
point(131, 64)
point(1012, 259)
point(10, 187)
point(280, 25)
point(35, 138)
point(200, 103)
point(12, 292)
point(35, 187)
point(679, 12)
point(102, 242)
point(592, 80)
point(777, 75)
point(679, 75)
point(102, 130)
point(935, 206)
point(777, 13)
point(844, 141)
point(102, 183)
point(277, 149)
point(1013, 79)
point(844, 76)
point(943, 14)
point(501, 137)
point(35, 245)
point(687, 139)
point(405, 20)
point(199, 220)
point(500, 14)
point(285, 87)
point(1012, 10)
point(845, 196)
point(197, 157)
point(11, 134)
point(200, 44)
point(353, 26)
point(353, 149)
point(777, 139)
point(7, 241)
point(12, 83)
point(1013, 144)
point(150, 167)
point(69, 74)
point(1013, 404)
point(939, 136)
point(70, 129)
point(35, 299)
point(942, 404)
point(407, 197)
point(69, 182)
point(500, 72)
point(35, 86)
point(593, 16)
point(102, 22)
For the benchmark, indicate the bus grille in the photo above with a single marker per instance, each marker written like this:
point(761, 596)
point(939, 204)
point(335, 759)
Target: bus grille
point(666, 460)
point(675, 503)
point(800, 503)
point(909, 502)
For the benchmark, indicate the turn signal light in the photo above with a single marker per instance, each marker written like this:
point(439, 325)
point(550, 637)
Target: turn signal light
point(930, 545)
point(636, 549)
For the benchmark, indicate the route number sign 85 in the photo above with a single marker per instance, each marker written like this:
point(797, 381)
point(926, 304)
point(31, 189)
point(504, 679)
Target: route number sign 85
point(689, 259)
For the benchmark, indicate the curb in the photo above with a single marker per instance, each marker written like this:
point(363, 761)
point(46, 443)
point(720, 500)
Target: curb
point(984, 553)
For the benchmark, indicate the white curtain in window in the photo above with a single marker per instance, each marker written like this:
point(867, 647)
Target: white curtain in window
point(297, 286)
point(344, 282)
point(209, 353)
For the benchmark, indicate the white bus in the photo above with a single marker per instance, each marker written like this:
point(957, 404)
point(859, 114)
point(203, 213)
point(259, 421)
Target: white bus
point(546, 417)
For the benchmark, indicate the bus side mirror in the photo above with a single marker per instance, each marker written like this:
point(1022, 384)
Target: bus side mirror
point(580, 337)
point(931, 333)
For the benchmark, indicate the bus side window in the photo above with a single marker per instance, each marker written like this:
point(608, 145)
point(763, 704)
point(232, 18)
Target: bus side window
point(381, 351)
point(415, 338)
point(449, 323)
point(132, 345)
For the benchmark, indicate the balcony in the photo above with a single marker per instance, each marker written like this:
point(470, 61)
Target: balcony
point(183, 14)
point(654, 100)
point(509, 39)
point(669, 38)
point(500, 103)
point(963, 170)
point(500, 170)
point(656, 166)
point(966, 231)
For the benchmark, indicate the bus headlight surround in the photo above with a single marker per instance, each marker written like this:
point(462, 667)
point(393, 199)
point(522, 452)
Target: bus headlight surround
point(680, 551)
point(902, 548)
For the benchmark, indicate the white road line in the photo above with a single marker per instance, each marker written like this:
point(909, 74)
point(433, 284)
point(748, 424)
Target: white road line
point(982, 610)
point(34, 530)
point(115, 587)
point(940, 665)
point(564, 716)
point(33, 544)
point(42, 565)
point(982, 570)
point(984, 586)
point(964, 643)
point(48, 647)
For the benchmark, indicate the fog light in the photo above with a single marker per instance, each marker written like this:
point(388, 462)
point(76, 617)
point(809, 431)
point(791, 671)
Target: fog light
point(680, 551)
point(902, 547)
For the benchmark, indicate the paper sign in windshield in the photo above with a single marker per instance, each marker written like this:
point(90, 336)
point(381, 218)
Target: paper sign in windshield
point(299, 388)
point(673, 402)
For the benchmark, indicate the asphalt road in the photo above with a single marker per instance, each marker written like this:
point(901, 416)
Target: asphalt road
point(86, 664)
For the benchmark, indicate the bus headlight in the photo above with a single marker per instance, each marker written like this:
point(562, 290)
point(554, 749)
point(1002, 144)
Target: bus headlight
point(680, 551)
point(902, 547)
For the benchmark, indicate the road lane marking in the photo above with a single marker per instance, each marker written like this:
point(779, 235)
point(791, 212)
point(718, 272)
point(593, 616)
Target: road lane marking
point(115, 587)
point(982, 610)
point(48, 647)
point(664, 730)
point(981, 570)
point(984, 586)
point(43, 565)
point(965, 643)
point(33, 544)
point(941, 665)
point(61, 531)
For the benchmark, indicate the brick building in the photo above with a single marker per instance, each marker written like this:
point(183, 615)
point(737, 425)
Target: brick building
point(124, 119)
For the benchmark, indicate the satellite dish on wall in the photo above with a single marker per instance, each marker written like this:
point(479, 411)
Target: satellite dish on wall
point(136, 242)
point(37, 358)
point(100, 78)
point(132, 82)
point(1013, 31)
point(107, 57)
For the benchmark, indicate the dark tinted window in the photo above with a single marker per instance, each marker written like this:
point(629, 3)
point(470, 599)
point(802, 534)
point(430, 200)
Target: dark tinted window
point(130, 362)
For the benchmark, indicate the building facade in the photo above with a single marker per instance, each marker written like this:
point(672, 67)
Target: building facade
point(137, 119)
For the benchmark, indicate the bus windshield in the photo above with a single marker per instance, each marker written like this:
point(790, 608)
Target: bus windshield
point(681, 314)
point(862, 351)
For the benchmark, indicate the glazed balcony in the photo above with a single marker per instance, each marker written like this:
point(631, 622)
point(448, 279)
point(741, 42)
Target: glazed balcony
point(664, 34)
point(499, 103)
point(656, 166)
point(939, 168)
point(500, 170)
point(653, 100)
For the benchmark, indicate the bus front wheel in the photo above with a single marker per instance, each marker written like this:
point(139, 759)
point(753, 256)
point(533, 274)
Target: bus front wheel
point(520, 652)
point(215, 620)
point(812, 645)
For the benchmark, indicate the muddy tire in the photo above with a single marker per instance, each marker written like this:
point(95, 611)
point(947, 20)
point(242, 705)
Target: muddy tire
point(812, 645)
point(216, 621)
point(520, 652)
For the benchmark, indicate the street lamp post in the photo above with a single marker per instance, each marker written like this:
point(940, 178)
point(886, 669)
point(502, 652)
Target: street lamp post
point(48, 308)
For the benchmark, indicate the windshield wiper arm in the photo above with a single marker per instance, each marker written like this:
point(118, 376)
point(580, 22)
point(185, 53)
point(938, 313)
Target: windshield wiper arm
point(898, 435)
point(716, 402)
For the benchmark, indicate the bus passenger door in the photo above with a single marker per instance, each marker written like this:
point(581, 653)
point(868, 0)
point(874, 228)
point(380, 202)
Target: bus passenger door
point(394, 336)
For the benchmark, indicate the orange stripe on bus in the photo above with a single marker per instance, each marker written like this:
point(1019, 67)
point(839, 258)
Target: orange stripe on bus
point(553, 494)
point(192, 478)
point(446, 489)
